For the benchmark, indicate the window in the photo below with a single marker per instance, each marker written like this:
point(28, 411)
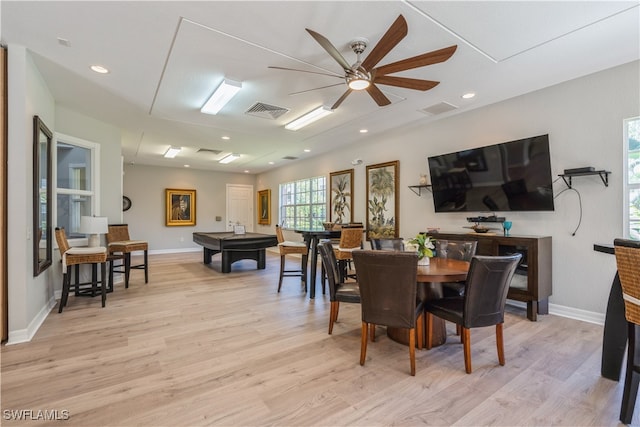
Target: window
point(303, 203)
point(632, 181)
point(76, 174)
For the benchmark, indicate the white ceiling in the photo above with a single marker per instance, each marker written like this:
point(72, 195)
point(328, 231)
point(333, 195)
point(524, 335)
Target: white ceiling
point(165, 58)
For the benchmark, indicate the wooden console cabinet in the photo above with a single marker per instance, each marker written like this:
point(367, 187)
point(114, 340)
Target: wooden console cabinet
point(532, 281)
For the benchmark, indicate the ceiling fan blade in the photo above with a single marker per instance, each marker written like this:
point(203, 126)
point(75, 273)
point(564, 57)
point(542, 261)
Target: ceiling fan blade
point(378, 96)
point(405, 82)
point(396, 32)
point(331, 50)
point(423, 60)
point(342, 98)
point(315, 88)
point(305, 71)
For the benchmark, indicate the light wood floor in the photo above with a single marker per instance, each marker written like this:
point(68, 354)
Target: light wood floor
point(197, 347)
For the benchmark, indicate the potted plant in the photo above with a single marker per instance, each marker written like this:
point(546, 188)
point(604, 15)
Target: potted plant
point(424, 245)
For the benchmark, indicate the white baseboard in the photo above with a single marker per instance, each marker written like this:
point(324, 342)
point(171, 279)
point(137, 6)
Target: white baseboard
point(174, 251)
point(25, 335)
point(569, 312)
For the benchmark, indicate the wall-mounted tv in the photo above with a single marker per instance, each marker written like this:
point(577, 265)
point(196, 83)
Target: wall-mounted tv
point(511, 176)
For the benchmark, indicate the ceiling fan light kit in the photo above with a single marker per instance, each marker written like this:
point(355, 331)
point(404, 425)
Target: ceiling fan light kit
point(172, 152)
point(309, 118)
point(364, 75)
point(221, 96)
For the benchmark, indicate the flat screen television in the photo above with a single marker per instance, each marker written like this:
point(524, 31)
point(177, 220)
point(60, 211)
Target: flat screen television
point(511, 176)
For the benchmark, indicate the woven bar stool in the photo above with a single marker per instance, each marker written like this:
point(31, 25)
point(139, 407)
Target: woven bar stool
point(350, 240)
point(77, 257)
point(288, 248)
point(628, 262)
point(119, 242)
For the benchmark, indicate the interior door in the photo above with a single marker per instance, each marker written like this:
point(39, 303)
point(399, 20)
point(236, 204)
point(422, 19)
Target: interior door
point(240, 206)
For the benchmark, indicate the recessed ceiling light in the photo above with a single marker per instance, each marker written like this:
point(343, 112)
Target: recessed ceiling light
point(187, 166)
point(468, 95)
point(271, 163)
point(172, 152)
point(99, 69)
point(229, 158)
point(306, 150)
point(364, 130)
point(246, 171)
point(226, 138)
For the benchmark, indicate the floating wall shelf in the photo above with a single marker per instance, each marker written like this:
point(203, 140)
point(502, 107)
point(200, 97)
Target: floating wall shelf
point(418, 188)
point(604, 175)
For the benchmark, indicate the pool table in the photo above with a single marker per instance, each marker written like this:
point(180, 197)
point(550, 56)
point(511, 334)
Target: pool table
point(235, 247)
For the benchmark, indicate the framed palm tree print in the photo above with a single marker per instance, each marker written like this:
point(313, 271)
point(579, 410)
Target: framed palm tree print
point(382, 200)
point(341, 199)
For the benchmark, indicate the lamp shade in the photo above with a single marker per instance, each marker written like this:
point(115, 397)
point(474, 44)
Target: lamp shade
point(94, 226)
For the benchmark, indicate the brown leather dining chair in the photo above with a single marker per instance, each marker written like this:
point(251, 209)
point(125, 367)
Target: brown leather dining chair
point(119, 242)
point(628, 263)
point(388, 288)
point(462, 250)
point(481, 305)
point(76, 257)
point(286, 247)
point(338, 291)
point(394, 244)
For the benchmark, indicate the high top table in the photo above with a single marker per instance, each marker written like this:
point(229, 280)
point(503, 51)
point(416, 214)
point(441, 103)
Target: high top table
point(614, 338)
point(311, 238)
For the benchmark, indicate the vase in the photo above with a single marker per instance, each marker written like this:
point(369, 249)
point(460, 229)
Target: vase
point(424, 261)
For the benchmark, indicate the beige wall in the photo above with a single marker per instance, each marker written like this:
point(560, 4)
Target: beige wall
point(584, 120)
point(145, 186)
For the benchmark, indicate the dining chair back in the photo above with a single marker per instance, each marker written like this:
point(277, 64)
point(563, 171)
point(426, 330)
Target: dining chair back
point(481, 305)
point(338, 291)
point(395, 244)
point(628, 263)
point(388, 287)
point(462, 250)
point(75, 257)
point(350, 240)
point(286, 247)
point(119, 242)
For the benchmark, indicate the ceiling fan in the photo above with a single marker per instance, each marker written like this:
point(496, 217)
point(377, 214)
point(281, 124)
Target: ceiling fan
point(364, 75)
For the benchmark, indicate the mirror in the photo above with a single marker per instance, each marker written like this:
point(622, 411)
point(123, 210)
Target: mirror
point(42, 245)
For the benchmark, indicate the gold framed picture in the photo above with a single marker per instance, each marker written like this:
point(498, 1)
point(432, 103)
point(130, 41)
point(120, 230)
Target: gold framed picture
point(383, 204)
point(264, 207)
point(180, 207)
point(341, 196)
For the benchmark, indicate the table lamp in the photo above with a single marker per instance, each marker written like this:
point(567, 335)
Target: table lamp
point(94, 226)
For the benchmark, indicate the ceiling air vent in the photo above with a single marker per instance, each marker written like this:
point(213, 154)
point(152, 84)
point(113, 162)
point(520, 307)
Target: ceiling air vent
point(442, 107)
point(266, 111)
point(290, 158)
point(208, 150)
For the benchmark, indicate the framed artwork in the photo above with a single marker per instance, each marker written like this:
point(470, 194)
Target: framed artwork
point(264, 207)
point(341, 196)
point(383, 205)
point(180, 207)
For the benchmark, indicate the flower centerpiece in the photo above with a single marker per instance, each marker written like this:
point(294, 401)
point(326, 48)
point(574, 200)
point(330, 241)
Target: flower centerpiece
point(424, 246)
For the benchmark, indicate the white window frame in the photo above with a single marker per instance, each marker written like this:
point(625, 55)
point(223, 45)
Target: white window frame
point(93, 192)
point(313, 182)
point(626, 184)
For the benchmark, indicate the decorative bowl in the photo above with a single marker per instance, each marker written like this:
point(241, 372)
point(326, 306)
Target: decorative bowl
point(328, 225)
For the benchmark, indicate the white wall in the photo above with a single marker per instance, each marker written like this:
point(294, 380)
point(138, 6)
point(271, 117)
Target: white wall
point(584, 120)
point(31, 298)
point(145, 186)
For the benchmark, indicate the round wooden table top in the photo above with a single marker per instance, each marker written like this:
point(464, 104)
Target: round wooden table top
point(443, 270)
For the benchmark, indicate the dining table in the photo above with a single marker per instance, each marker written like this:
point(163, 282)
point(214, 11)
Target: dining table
point(312, 237)
point(429, 281)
